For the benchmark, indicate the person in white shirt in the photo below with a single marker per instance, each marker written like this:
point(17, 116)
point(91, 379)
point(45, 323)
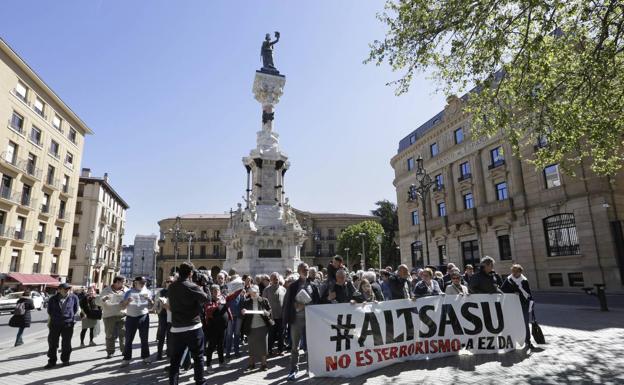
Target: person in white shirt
point(113, 315)
point(137, 303)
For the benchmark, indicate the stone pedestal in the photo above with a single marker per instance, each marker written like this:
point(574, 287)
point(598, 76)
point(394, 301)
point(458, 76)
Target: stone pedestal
point(264, 235)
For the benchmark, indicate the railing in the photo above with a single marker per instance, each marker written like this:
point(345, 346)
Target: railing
point(438, 187)
point(33, 170)
point(59, 243)
point(496, 208)
point(498, 163)
point(53, 182)
point(64, 216)
point(42, 239)
point(46, 209)
point(28, 201)
point(67, 190)
point(6, 232)
point(7, 194)
point(19, 130)
point(464, 177)
point(20, 234)
point(13, 161)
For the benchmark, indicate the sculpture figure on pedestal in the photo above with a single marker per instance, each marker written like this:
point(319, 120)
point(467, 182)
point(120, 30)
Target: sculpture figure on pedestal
point(267, 53)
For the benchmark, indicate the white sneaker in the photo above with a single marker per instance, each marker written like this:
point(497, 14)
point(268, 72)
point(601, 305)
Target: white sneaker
point(125, 363)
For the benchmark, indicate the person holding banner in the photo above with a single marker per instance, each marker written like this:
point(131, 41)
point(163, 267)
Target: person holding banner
point(340, 291)
point(455, 286)
point(486, 281)
point(256, 313)
point(428, 286)
point(518, 283)
point(399, 284)
point(299, 294)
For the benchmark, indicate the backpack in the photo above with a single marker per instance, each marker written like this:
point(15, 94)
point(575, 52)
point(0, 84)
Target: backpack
point(20, 309)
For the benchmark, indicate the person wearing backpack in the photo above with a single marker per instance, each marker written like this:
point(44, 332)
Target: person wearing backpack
point(92, 316)
point(21, 318)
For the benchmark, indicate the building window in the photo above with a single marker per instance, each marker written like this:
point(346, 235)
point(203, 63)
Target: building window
point(39, 106)
point(496, 157)
point(439, 179)
point(31, 165)
point(15, 260)
point(202, 251)
point(464, 171)
point(552, 176)
point(17, 122)
point(441, 209)
point(410, 164)
point(72, 134)
point(36, 263)
point(501, 191)
point(21, 91)
point(459, 135)
point(215, 250)
point(576, 279)
point(26, 191)
point(54, 265)
point(504, 247)
point(470, 252)
point(35, 135)
point(69, 160)
point(56, 122)
point(442, 254)
point(10, 155)
point(331, 249)
point(192, 250)
point(435, 150)
point(318, 249)
point(417, 254)
point(412, 139)
point(561, 236)
point(20, 225)
point(468, 201)
point(54, 148)
point(415, 218)
point(555, 279)
point(70, 275)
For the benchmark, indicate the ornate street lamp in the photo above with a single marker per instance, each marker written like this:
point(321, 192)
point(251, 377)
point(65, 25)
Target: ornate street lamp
point(420, 192)
point(363, 260)
point(175, 232)
point(347, 250)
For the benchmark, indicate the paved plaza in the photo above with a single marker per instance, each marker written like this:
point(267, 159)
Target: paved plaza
point(584, 346)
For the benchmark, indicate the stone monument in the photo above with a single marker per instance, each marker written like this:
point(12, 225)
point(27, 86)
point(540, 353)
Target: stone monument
point(265, 235)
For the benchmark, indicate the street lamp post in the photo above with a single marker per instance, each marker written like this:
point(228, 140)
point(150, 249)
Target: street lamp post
point(175, 230)
point(379, 239)
point(347, 250)
point(363, 261)
point(420, 191)
point(189, 234)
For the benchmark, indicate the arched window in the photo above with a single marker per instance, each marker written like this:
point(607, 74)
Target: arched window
point(561, 236)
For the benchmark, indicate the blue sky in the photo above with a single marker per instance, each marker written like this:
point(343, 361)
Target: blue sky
point(166, 86)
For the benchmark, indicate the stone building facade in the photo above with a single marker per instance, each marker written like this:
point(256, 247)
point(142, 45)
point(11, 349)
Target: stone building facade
point(127, 257)
point(99, 227)
point(566, 231)
point(41, 147)
point(208, 250)
point(145, 249)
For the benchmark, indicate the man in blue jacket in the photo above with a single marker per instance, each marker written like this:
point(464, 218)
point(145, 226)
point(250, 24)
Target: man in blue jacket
point(62, 308)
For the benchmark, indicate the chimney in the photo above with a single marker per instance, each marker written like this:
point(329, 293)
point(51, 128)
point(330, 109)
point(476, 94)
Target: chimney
point(86, 172)
point(105, 177)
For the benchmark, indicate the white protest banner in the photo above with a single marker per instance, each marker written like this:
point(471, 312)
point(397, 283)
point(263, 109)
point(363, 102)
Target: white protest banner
point(346, 340)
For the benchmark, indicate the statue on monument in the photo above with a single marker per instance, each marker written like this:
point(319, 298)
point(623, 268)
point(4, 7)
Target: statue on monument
point(267, 53)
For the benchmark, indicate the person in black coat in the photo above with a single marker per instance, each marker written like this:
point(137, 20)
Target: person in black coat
point(340, 291)
point(399, 284)
point(517, 283)
point(486, 281)
point(256, 326)
point(371, 277)
point(22, 320)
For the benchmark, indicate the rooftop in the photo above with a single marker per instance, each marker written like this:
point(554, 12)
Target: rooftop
point(107, 186)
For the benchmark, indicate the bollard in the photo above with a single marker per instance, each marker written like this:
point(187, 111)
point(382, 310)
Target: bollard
point(602, 298)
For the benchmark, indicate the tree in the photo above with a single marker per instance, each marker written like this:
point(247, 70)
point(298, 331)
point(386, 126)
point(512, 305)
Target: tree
point(388, 216)
point(545, 70)
point(350, 238)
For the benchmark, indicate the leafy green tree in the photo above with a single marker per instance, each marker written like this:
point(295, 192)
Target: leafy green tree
point(350, 237)
point(388, 216)
point(544, 69)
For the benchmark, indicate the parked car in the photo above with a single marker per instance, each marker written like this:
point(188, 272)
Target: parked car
point(8, 303)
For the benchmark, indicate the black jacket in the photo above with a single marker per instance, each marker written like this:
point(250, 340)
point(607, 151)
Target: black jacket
point(90, 309)
point(485, 283)
point(288, 311)
point(510, 286)
point(378, 292)
point(397, 286)
point(186, 301)
point(344, 293)
point(23, 320)
point(263, 304)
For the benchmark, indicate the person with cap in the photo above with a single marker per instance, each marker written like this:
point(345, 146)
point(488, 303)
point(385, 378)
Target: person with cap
point(137, 302)
point(62, 310)
point(186, 301)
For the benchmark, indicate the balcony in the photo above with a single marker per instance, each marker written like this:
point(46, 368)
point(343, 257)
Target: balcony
point(42, 239)
point(438, 187)
point(20, 235)
point(59, 243)
point(46, 210)
point(64, 216)
point(6, 232)
point(496, 208)
point(464, 177)
point(9, 195)
point(465, 216)
point(496, 164)
point(11, 160)
point(13, 125)
point(52, 182)
point(331, 238)
point(437, 222)
point(101, 240)
point(33, 171)
point(27, 201)
point(66, 190)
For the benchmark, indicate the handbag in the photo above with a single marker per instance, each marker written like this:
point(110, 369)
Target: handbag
point(536, 331)
point(14, 322)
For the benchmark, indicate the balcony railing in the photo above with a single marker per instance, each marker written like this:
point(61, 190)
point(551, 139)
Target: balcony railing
point(438, 187)
point(53, 182)
point(64, 216)
point(464, 177)
point(33, 170)
point(67, 190)
point(27, 201)
point(20, 234)
point(59, 243)
point(8, 194)
point(13, 126)
point(498, 163)
point(42, 239)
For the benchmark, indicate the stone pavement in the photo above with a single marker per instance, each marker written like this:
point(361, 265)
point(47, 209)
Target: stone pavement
point(584, 346)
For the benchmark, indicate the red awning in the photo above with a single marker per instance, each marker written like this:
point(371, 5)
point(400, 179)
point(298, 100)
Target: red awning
point(34, 279)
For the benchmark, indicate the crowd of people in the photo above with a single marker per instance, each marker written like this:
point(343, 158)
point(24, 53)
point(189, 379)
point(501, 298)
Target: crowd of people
point(199, 316)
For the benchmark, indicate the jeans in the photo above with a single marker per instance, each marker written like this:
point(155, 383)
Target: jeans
point(114, 328)
point(18, 338)
point(276, 334)
point(64, 331)
point(232, 335)
point(525, 314)
point(297, 333)
point(133, 324)
point(162, 335)
point(193, 340)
